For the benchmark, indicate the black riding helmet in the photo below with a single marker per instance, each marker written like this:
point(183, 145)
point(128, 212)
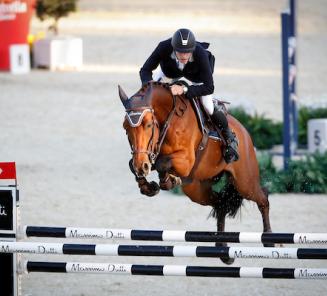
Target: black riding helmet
point(183, 41)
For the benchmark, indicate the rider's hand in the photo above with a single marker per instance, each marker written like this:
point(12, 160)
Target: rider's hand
point(177, 90)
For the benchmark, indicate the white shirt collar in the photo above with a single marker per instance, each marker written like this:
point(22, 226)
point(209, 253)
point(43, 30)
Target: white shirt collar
point(179, 64)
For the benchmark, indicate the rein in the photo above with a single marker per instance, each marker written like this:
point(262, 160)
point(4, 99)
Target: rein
point(163, 132)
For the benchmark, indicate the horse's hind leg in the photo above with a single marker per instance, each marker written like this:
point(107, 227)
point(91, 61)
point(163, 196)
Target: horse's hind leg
point(226, 202)
point(202, 193)
point(221, 216)
point(264, 209)
point(249, 187)
point(263, 205)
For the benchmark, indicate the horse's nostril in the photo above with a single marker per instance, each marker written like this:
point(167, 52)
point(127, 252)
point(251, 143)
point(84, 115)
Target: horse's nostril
point(145, 167)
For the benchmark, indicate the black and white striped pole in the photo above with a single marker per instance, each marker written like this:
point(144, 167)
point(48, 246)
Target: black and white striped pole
point(175, 270)
point(162, 251)
point(174, 235)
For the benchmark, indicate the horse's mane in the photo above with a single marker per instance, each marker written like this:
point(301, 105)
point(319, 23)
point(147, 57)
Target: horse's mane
point(142, 91)
point(141, 97)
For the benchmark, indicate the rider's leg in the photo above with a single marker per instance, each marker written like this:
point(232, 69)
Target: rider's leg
point(160, 76)
point(220, 121)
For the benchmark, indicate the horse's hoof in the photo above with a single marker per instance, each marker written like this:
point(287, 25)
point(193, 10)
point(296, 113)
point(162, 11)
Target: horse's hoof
point(166, 184)
point(170, 182)
point(150, 189)
point(154, 187)
point(177, 181)
point(227, 261)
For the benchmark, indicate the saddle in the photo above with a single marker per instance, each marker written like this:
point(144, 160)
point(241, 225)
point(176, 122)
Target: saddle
point(208, 131)
point(204, 121)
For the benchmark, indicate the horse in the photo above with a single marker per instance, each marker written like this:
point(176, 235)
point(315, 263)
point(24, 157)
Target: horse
point(164, 135)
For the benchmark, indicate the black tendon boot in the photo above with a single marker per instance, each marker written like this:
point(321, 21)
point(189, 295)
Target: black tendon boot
point(230, 152)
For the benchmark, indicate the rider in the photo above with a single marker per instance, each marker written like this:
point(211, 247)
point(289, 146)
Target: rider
point(182, 56)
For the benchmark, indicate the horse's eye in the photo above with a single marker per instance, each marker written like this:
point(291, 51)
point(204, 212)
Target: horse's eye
point(149, 125)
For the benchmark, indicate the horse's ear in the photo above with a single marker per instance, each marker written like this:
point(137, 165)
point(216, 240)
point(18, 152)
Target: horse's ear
point(122, 95)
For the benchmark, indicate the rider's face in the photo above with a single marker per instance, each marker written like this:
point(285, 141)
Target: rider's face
point(183, 57)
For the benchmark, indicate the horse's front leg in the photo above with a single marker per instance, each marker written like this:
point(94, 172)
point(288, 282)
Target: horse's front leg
point(168, 181)
point(171, 168)
point(146, 188)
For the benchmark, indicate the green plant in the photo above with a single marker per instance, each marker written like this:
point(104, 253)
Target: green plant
point(54, 9)
point(268, 172)
point(218, 186)
point(308, 175)
point(264, 132)
point(305, 114)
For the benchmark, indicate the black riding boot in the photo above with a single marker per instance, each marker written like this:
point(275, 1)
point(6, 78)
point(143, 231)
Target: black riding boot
point(231, 150)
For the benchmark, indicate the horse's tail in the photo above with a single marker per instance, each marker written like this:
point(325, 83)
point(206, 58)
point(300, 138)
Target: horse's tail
point(227, 202)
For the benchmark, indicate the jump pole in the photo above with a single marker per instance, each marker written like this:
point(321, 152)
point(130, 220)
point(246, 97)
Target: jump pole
point(174, 235)
point(9, 198)
point(175, 270)
point(162, 251)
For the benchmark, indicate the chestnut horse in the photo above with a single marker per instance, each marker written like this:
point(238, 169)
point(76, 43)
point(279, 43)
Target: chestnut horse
point(164, 135)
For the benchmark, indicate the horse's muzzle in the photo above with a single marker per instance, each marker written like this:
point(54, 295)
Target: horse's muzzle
point(143, 169)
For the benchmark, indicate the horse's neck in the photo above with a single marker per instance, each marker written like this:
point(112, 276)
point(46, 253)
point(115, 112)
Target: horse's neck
point(162, 103)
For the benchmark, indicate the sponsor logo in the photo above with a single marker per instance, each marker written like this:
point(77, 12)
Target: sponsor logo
point(9, 9)
point(109, 234)
point(13, 7)
point(305, 240)
point(272, 255)
point(3, 211)
point(305, 273)
point(31, 250)
point(112, 268)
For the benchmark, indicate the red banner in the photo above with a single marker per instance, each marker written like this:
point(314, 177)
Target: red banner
point(14, 26)
point(7, 170)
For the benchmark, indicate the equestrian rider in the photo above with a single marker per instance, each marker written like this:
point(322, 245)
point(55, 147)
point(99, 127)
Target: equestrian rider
point(182, 56)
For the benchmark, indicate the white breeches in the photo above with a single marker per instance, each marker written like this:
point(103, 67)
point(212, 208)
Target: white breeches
point(206, 101)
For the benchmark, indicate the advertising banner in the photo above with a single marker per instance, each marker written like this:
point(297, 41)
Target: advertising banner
point(15, 17)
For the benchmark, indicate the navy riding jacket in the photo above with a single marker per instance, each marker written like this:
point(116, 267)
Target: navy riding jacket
point(198, 71)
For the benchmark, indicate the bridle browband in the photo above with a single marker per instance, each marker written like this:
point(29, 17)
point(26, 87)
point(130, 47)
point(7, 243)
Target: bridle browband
point(153, 149)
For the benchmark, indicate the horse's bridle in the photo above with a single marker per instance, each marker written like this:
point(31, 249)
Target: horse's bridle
point(140, 113)
point(153, 149)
